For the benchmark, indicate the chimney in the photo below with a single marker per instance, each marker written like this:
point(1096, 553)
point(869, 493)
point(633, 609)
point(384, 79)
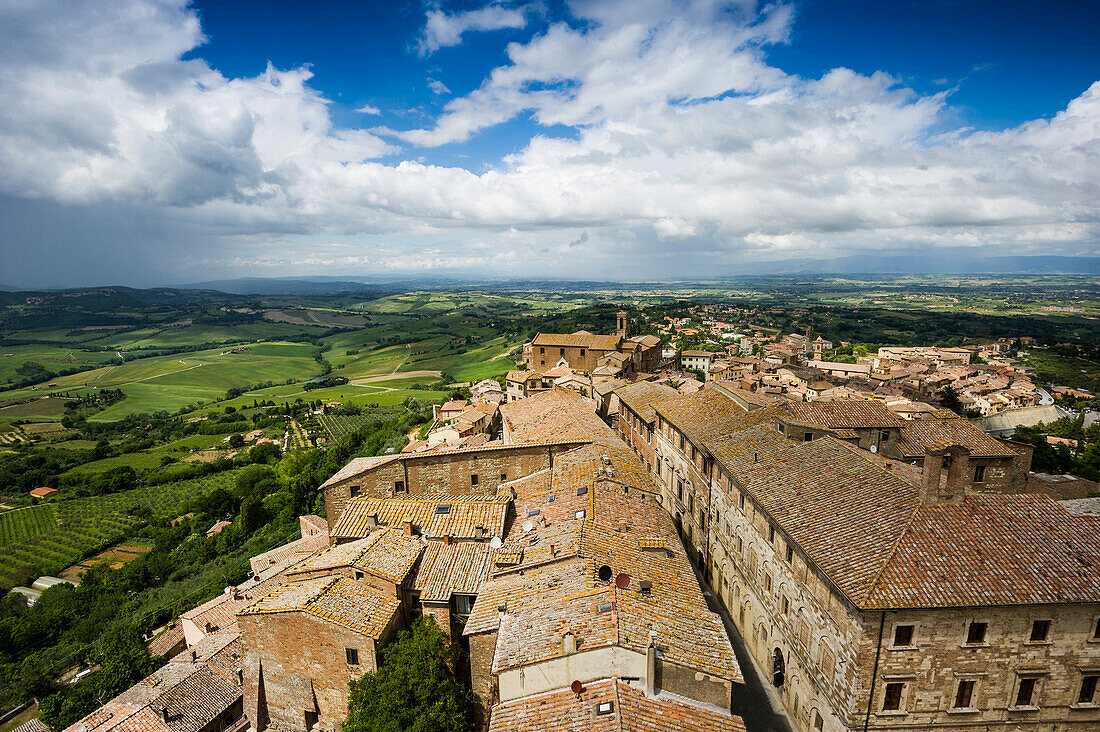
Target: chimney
point(956, 460)
point(651, 668)
point(164, 714)
point(553, 549)
point(568, 644)
point(193, 652)
point(407, 526)
point(480, 532)
point(372, 521)
point(447, 539)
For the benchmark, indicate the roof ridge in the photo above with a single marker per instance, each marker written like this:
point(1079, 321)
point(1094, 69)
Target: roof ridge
point(873, 584)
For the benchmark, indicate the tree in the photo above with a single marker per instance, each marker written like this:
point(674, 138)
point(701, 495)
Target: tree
point(236, 441)
point(415, 688)
point(252, 514)
point(125, 661)
point(949, 399)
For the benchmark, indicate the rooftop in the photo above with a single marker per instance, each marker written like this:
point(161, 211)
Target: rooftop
point(860, 519)
point(456, 516)
point(848, 413)
point(579, 339)
point(641, 396)
point(343, 601)
point(609, 705)
point(919, 436)
point(386, 553)
point(452, 568)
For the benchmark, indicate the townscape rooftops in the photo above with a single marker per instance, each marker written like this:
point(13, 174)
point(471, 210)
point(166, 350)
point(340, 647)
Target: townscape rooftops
point(190, 694)
point(641, 396)
point(343, 601)
point(386, 553)
point(579, 339)
point(921, 435)
point(446, 569)
point(848, 413)
point(357, 466)
point(993, 550)
point(860, 519)
point(457, 516)
point(708, 414)
point(560, 412)
point(627, 710)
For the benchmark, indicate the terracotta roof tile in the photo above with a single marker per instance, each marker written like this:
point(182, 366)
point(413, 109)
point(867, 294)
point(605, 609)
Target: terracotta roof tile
point(630, 710)
point(642, 395)
point(343, 601)
point(457, 516)
point(921, 435)
point(450, 568)
point(386, 553)
point(848, 413)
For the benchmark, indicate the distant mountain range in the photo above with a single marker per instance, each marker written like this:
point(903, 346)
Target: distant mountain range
point(945, 262)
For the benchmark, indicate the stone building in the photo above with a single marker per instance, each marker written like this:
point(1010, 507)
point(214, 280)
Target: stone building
point(304, 642)
point(587, 352)
point(196, 691)
point(637, 416)
point(884, 595)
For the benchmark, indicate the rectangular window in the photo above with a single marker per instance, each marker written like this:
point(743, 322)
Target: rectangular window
point(903, 636)
point(473, 479)
point(464, 604)
point(767, 583)
point(786, 605)
point(807, 436)
point(891, 699)
point(541, 351)
point(1025, 692)
point(353, 491)
point(790, 554)
point(399, 485)
point(1040, 629)
point(886, 435)
point(1096, 630)
point(975, 634)
point(562, 351)
point(979, 473)
point(680, 489)
point(964, 696)
point(1088, 689)
point(352, 656)
point(503, 477)
point(359, 575)
point(681, 443)
point(582, 353)
point(771, 534)
point(742, 502)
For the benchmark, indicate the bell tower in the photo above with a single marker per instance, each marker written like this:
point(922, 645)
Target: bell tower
point(622, 324)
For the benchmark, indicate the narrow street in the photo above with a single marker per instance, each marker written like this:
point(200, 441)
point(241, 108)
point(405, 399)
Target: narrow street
point(757, 702)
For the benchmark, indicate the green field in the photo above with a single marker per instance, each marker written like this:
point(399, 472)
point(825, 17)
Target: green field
point(86, 525)
point(23, 523)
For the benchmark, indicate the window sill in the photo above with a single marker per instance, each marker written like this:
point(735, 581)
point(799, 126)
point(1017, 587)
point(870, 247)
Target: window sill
point(901, 648)
point(974, 645)
point(895, 713)
point(964, 710)
point(1091, 706)
point(1023, 710)
point(1039, 643)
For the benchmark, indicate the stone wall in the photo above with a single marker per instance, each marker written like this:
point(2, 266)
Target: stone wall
point(296, 663)
point(443, 473)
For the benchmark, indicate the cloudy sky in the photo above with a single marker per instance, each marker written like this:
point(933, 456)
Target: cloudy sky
point(160, 141)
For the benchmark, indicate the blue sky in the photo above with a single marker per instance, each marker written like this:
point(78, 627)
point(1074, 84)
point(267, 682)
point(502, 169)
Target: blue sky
point(153, 141)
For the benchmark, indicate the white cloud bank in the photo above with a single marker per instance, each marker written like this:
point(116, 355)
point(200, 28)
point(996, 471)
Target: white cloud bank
point(686, 144)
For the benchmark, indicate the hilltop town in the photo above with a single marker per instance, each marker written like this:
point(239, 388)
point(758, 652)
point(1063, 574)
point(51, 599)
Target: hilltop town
point(616, 543)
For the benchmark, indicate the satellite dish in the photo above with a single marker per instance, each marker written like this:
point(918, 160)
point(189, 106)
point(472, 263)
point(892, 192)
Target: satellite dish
point(495, 542)
point(605, 573)
point(527, 526)
point(874, 448)
point(577, 687)
point(622, 580)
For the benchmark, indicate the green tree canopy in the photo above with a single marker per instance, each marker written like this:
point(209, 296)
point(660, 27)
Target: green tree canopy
point(415, 688)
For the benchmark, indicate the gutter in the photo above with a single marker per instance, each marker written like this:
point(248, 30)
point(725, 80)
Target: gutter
point(874, 673)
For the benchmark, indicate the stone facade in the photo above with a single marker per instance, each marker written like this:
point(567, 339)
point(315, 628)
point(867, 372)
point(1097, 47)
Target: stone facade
point(478, 472)
point(841, 668)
